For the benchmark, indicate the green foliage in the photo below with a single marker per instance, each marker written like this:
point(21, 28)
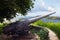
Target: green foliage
point(53, 26)
point(1, 26)
point(9, 8)
point(43, 33)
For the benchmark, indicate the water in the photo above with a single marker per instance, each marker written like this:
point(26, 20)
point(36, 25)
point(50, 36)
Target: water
point(49, 20)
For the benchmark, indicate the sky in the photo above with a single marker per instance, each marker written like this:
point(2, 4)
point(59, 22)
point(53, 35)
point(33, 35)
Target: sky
point(42, 7)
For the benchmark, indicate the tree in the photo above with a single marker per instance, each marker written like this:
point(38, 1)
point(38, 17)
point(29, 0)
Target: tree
point(9, 8)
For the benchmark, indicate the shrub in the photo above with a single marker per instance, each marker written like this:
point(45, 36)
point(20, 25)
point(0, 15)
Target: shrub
point(43, 33)
point(53, 26)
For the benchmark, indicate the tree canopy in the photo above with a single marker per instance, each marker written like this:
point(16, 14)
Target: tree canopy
point(9, 8)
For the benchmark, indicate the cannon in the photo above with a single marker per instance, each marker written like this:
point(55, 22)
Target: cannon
point(22, 27)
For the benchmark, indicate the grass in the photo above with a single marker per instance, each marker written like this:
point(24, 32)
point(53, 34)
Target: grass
point(53, 26)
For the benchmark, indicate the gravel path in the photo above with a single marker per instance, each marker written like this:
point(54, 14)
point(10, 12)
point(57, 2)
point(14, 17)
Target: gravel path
point(52, 35)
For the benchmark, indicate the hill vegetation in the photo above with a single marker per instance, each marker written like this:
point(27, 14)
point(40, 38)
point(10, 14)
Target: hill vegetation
point(53, 26)
point(53, 17)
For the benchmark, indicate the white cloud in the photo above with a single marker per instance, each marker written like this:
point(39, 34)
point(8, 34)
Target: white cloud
point(51, 9)
point(44, 7)
point(42, 3)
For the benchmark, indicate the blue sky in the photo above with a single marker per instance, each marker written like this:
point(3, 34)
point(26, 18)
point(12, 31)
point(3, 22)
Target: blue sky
point(42, 7)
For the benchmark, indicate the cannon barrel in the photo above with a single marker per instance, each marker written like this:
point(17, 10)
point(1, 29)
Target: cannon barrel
point(39, 17)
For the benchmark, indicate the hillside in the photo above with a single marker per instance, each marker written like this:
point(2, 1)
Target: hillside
point(54, 17)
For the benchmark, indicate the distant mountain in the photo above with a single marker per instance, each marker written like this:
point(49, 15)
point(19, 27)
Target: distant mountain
point(53, 18)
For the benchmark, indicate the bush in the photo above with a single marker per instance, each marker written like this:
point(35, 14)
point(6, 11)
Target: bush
point(53, 26)
point(43, 33)
point(1, 26)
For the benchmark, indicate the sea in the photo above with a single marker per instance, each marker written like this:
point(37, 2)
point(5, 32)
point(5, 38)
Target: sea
point(50, 20)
